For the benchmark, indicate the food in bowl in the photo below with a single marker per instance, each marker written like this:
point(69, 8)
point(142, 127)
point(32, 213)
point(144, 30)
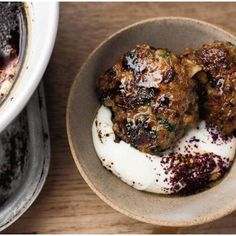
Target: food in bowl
point(197, 159)
point(217, 83)
point(12, 44)
point(157, 145)
point(151, 97)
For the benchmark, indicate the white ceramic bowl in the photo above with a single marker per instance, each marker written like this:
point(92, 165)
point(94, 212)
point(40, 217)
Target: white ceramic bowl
point(42, 22)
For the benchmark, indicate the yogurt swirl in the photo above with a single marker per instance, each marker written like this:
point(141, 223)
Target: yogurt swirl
point(197, 159)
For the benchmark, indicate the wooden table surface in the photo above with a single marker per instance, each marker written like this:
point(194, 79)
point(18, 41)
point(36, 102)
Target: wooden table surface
point(66, 204)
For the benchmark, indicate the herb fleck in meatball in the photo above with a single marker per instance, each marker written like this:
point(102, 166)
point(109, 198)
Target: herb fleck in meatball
point(151, 97)
point(217, 83)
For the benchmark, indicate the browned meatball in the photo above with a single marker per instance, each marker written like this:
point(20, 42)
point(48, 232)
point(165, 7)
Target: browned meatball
point(151, 97)
point(217, 82)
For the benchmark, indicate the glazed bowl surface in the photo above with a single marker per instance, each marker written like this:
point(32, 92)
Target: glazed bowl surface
point(42, 23)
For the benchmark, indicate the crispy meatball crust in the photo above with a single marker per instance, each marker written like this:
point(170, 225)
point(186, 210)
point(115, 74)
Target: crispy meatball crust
point(217, 83)
point(151, 97)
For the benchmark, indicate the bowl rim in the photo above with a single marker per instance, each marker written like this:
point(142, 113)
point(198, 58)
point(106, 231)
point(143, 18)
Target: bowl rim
point(73, 147)
point(40, 175)
point(13, 108)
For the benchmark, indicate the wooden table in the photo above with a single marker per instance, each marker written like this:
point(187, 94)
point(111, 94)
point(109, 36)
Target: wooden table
point(66, 204)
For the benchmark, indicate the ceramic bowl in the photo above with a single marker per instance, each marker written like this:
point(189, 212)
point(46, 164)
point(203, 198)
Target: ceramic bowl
point(24, 159)
point(42, 23)
point(175, 34)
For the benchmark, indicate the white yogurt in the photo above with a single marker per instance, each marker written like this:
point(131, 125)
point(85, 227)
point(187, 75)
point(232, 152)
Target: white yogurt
point(148, 172)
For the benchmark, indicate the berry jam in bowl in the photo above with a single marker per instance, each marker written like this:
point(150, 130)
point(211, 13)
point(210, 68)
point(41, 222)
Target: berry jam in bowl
point(25, 49)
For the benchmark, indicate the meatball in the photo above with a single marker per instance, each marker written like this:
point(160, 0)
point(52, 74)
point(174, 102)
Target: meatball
point(217, 83)
point(151, 97)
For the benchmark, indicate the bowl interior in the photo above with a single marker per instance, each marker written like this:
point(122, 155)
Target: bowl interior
point(174, 34)
point(40, 42)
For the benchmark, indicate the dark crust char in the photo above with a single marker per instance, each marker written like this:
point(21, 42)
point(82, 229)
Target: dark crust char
point(10, 30)
point(11, 37)
point(151, 97)
point(217, 83)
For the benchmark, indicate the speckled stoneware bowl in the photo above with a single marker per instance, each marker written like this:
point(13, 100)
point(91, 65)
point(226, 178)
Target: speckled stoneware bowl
point(175, 34)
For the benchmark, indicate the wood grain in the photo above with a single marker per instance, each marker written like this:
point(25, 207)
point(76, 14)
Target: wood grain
point(66, 204)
